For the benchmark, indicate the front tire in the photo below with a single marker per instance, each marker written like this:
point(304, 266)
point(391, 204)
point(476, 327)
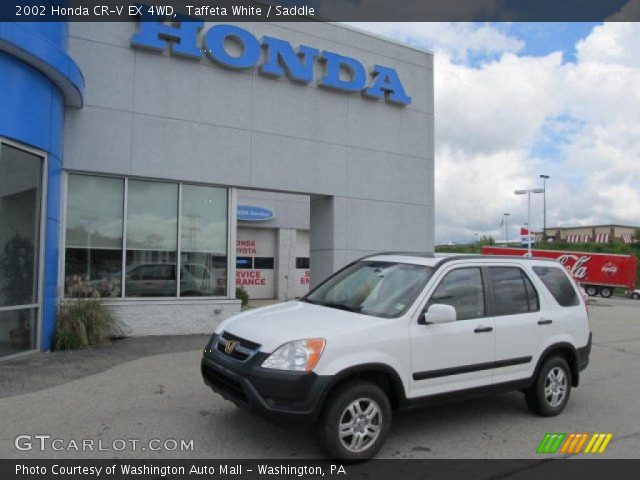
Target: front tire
point(635, 296)
point(550, 392)
point(355, 422)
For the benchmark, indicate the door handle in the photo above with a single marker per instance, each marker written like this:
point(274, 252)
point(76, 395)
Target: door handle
point(482, 329)
point(545, 321)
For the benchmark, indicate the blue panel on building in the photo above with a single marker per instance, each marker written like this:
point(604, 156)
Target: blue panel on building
point(33, 101)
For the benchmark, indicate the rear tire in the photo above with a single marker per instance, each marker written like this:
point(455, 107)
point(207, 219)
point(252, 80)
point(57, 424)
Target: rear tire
point(606, 292)
point(635, 296)
point(591, 290)
point(355, 422)
point(551, 389)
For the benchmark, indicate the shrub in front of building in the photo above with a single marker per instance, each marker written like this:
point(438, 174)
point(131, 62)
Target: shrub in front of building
point(83, 322)
point(241, 294)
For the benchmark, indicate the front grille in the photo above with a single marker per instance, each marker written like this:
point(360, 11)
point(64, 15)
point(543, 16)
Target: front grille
point(243, 349)
point(224, 383)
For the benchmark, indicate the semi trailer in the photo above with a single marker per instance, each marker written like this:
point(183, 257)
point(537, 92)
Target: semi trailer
point(597, 273)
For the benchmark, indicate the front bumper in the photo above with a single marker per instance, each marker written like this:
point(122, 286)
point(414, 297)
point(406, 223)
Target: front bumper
point(268, 392)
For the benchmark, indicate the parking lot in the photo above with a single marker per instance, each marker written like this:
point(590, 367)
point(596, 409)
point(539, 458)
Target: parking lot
point(151, 389)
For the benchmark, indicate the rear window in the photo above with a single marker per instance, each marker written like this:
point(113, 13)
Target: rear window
point(512, 291)
point(559, 284)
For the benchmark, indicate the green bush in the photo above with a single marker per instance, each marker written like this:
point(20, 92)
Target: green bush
point(83, 322)
point(241, 294)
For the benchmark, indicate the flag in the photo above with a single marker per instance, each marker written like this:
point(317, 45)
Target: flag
point(501, 222)
point(527, 236)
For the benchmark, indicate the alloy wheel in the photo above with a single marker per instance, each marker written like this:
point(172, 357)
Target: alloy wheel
point(360, 425)
point(555, 387)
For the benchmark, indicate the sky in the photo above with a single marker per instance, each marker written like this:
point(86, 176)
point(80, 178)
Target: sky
point(516, 100)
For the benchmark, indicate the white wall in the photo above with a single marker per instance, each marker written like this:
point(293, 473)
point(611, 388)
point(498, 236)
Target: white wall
point(368, 165)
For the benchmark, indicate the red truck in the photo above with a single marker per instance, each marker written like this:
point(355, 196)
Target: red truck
point(597, 273)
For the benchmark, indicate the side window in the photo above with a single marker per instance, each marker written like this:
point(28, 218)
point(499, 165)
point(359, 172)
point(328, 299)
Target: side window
point(463, 290)
point(512, 291)
point(559, 284)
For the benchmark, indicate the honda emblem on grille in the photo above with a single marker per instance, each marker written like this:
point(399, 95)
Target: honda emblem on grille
point(229, 347)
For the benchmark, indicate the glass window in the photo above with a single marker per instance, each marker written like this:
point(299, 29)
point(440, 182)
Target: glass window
point(244, 263)
point(93, 257)
point(152, 239)
point(510, 291)
point(203, 241)
point(559, 284)
point(263, 263)
point(94, 238)
point(20, 197)
point(463, 290)
point(18, 330)
point(302, 263)
point(20, 178)
point(383, 289)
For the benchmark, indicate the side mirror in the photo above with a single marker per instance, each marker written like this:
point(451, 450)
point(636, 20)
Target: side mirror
point(440, 313)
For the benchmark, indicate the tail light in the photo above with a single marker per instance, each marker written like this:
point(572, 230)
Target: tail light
point(585, 297)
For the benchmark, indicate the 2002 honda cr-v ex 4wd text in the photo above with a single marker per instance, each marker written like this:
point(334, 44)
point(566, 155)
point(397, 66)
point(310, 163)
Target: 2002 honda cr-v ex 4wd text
point(394, 330)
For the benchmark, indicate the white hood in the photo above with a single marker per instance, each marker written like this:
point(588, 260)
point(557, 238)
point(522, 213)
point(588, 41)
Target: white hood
point(275, 325)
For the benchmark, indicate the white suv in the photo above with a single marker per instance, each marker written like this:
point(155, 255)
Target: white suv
point(394, 330)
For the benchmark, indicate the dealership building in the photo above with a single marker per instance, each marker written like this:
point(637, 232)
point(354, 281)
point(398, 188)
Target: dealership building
point(157, 166)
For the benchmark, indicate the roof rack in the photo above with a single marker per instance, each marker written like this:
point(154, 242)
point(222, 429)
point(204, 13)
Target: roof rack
point(409, 254)
point(487, 257)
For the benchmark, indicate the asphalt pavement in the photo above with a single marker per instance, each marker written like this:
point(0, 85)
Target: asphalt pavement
point(150, 389)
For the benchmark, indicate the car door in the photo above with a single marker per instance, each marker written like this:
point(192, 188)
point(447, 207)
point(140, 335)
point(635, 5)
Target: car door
point(458, 355)
point(518, 321)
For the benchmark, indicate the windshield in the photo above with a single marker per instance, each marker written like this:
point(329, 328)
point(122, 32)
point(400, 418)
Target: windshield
point(382, 289)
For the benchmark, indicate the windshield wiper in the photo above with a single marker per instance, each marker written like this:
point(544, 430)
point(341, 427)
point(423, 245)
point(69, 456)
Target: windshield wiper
point(339, 306)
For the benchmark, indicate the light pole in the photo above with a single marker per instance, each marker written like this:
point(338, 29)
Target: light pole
point(544, 205)
point(506, 227)
point(528, 193)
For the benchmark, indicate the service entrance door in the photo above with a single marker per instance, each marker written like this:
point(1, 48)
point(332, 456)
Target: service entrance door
point(20, 218)
point(302, 277)
point(255, 262)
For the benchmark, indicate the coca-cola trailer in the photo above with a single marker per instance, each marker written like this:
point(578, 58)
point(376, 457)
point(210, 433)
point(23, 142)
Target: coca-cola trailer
point(597, 273)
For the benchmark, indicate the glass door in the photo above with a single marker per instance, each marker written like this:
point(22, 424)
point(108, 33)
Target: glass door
point(20, 220)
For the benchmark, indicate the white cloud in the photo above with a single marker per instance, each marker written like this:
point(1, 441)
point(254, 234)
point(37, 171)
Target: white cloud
point(497, 107)
point(456, 40)
point(502, 122)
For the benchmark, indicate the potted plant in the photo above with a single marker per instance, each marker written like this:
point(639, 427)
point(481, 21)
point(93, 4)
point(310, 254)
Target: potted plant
point(16, 265)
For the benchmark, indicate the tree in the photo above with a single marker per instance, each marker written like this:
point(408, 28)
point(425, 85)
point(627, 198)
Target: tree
point(486, 240)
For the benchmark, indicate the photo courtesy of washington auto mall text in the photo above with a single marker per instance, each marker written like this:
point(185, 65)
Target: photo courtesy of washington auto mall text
point(186, 470)
point(281, 239)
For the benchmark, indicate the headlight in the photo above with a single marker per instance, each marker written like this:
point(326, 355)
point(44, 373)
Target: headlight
point(299, 355)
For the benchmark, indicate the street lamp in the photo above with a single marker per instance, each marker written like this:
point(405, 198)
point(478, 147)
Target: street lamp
point(528, 192)
point(544, 205)
point(506, 227)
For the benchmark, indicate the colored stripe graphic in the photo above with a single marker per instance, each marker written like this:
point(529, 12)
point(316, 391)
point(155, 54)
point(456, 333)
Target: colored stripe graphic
point(598, 443)
point(574, 442)
point(550, 443)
